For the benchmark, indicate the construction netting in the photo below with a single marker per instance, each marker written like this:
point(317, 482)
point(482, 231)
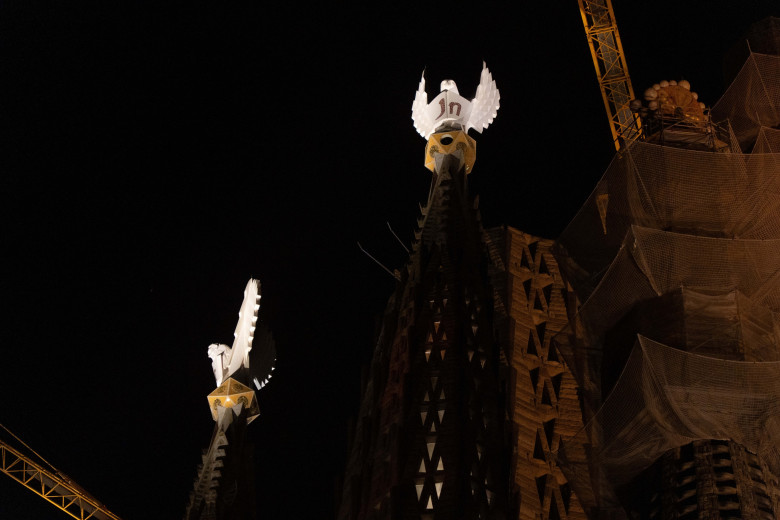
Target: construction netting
point(651, 263)
point(675, 259)
point(699, 192)
point(659, 187)
point(752, 100)
point(667, 398)
point(768, 141)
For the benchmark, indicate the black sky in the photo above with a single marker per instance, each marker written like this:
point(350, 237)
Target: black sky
point(154, 157)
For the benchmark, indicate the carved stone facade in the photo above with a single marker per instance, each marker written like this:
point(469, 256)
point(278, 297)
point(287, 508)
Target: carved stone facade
point(466, 399)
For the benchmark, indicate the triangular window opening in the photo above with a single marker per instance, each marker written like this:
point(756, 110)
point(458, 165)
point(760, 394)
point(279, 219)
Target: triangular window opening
point(540, 331)
point(532, 249)
point(552, 353)
point(440, 466)
point(549, 429)
point(421, 470)
point(538, 450)
point(554, 514)
point(419, 488)
point(543, 267)
point(524, 260)
point(430, 504)
point(534, 378)
point(538, 303)
point(541, 484)
point(547, 292)
point(527, 289)
point(532, 344)
point(423, 416)
point(427, 354)
point(546, 396)
point(566, 495)
point(441, 416)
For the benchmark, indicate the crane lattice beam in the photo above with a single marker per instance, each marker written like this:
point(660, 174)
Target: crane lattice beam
point(53, 487)
point(609, 61)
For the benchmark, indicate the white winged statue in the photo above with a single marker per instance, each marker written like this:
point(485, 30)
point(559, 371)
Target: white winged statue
point(226, 361)
point(450, 110)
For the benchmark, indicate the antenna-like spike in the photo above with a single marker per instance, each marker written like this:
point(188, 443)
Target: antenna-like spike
point(397, 277)
point(396, 237)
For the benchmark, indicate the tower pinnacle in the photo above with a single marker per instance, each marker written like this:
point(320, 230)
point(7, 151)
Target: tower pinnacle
point(446, 120)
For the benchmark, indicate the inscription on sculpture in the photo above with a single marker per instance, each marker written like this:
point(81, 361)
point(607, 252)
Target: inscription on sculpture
point(455, 111)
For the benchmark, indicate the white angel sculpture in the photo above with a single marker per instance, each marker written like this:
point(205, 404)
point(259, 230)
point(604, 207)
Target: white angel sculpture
point(226, 361)
point(450, 110)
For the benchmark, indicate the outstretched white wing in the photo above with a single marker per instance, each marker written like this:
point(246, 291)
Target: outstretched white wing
point(422, 119)
point(263, 357)
point(245, 329)
point(484, 107)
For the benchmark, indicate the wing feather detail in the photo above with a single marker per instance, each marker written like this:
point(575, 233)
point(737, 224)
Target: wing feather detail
point(420, 116)
point(484, 106)
point(245, 328)
point(263, 357)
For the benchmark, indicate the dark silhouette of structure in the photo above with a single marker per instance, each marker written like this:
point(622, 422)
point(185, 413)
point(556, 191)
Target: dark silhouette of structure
point(466, 399)
point(224, 486)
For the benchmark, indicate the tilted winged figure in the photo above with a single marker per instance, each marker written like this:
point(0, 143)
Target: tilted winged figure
point(449, 109)
point(226, 361)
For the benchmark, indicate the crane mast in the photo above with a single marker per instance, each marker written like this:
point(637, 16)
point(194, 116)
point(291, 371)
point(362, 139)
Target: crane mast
point(51, 485)
point(609, 61)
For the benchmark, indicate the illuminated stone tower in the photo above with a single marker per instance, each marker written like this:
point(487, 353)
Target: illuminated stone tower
point(439, 434)
point(224, 486)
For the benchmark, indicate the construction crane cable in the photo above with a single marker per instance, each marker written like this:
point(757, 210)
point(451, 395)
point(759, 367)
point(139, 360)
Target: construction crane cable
point(12, 434)
point(49, 483)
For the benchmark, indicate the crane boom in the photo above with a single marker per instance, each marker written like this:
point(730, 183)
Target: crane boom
point(609, 61)
point(52, 486)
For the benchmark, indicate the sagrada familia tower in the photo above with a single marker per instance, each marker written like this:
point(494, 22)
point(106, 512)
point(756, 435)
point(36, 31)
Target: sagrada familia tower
point(467, 400)
point(629, 369)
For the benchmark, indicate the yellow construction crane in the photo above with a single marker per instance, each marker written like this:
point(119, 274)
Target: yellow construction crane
point(609, 61)
point(49, 483)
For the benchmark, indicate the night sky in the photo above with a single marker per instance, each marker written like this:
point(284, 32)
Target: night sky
point(155, 157)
